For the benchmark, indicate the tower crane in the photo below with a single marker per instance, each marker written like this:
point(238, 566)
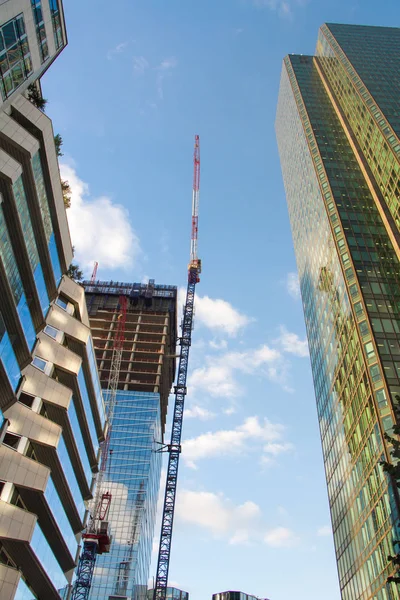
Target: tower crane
point(97, 539)
point(94, 272)
point(174, 448)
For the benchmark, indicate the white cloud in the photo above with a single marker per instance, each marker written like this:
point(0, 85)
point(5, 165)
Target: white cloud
point(291, 343)
point(217, 378)
point(215, 345)
point(326, 530)
point(197, 412)
point(119, 48)
point(168, 63)
point(281, 537)
point(164, 70)
point(276, 449)
point(140, 64)
point(253, 434)
point(293, 285)
point(282, 7)
point(218, 315)
point(219, 515)
point(100, 229)
point(239, 524)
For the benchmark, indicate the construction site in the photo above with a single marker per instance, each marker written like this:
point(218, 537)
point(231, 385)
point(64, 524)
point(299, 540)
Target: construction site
point(148, 360)
point(135, 338)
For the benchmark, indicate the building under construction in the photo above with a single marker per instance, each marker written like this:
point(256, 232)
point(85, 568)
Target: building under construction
point(148, 356)
point(146, 374)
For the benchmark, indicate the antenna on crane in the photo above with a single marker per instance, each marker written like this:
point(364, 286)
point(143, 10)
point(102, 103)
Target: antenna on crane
point(94, 273)
point(174, 448)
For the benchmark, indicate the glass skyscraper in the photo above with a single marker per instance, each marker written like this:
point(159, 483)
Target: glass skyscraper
point(133, 473)
point(338, 128)
point(133, 479)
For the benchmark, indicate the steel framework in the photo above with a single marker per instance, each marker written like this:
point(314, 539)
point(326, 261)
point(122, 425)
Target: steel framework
point(174, 448)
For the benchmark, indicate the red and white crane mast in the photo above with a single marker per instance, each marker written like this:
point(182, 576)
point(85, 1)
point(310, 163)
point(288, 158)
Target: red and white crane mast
point(174, 448)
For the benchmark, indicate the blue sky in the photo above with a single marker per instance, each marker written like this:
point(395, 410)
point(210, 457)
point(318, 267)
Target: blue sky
point(137, 81)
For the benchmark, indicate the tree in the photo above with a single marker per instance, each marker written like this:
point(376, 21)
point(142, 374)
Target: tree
point(393, 470)
point(58, 142)
point(74, 272)
point(36, 98)
point(66, 191)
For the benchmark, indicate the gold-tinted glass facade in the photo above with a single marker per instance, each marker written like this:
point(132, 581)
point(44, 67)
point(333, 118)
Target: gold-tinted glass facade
point(345, 245)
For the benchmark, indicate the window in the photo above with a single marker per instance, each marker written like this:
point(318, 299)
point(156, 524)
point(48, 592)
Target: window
point(39, 363)
point(15, 56)
point(40, 29)
point(51, 331)
point(26, 399)
point(56, 20)
point(62, 302)
point(369, 350)
point(11, 440)
point(375, 373)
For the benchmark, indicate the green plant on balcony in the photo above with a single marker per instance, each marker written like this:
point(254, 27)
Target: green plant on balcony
point(36, 97)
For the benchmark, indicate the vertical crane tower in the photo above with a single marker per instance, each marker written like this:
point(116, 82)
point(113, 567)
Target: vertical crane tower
point(174, 448)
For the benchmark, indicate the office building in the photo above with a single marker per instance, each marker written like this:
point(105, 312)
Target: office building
point(52, 414)
point(32, 35)
point(172, 593)
point(133, 465)
point(234, 596)
point(338, 128)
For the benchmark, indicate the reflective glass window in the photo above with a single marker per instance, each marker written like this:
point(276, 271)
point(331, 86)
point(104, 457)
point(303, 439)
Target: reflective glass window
point(76, 430)
point(15, 57)
point(88, 409)
point(46, 215)
point(8, 357)
point(30, 242)
point(57, 508)
point(56, 20)
point(51, 331)
point(46, 557)
point(26, 322)
point(70, 476)
point(96, 381)
point(39, 363)
point(40, 29)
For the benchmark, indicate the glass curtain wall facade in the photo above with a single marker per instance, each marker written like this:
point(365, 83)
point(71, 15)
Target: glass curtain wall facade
point(234, 596)
point(171, 594)
point(32, 34)
point(133, 478)
point(339, 149)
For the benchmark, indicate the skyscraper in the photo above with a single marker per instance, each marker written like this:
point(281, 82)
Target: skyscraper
point(172, 593)
point(32, 35)
point(134, 465)
point(52, 414)
point(338, 128)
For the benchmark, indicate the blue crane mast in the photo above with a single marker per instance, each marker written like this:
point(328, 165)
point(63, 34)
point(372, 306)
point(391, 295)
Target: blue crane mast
point(174, 448)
